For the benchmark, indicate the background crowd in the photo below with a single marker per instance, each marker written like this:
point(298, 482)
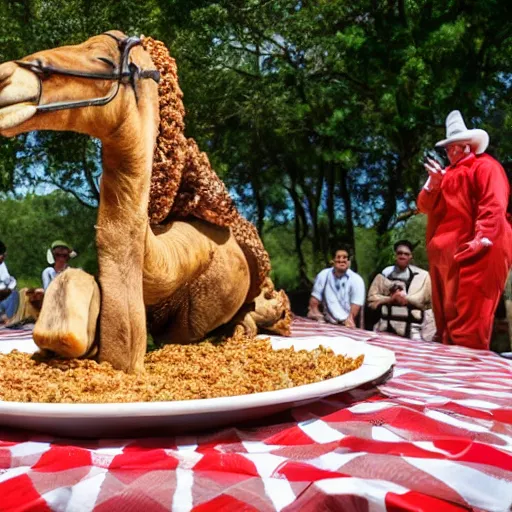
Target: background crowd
point(316, 114)
point(22, 305)
point(469, 243)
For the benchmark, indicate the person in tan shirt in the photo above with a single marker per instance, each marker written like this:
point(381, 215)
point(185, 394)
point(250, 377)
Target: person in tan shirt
point(403, 293)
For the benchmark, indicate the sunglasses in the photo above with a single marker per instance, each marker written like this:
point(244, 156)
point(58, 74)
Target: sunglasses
point(402, 253)
point(61, 254)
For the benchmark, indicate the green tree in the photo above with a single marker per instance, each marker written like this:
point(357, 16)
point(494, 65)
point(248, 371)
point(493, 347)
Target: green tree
point(31, 224)
point(327, 106)
point(315, 114)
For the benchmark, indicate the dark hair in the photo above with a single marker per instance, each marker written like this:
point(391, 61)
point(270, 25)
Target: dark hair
point(403, 242)
point(2, 247)
point(344, 248)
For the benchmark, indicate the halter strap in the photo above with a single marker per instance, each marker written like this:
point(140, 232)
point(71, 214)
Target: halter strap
point(128, 72)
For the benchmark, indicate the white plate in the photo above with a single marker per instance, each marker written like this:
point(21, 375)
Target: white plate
point(163, 418)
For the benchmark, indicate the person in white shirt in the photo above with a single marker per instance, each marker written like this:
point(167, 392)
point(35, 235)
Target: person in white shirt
point(9, 298)
point(31, 299)
point(339, 291)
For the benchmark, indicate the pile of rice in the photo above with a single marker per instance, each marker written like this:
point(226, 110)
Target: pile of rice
point(235, 366)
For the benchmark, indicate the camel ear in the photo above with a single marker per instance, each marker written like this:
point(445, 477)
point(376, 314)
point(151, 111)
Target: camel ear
point(49, 257)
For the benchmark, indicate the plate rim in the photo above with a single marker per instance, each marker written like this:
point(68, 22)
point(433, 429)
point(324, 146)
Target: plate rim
point(377, 362)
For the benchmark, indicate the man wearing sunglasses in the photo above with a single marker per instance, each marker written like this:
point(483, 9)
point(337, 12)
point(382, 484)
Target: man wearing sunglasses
point(339, 291)
point(403, 293)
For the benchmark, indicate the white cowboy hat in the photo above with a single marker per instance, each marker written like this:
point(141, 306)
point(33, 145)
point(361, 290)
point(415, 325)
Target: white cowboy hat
point(456, 131)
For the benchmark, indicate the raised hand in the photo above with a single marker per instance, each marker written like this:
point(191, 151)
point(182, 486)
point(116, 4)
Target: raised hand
point(435, 174)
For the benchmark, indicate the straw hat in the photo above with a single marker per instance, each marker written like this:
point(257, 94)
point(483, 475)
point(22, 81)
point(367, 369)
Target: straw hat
point(456, 131)
point(58, 243)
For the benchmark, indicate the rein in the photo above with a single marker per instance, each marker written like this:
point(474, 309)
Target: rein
point(127, 73)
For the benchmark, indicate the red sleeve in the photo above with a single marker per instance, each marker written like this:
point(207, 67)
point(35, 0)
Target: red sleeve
point(426, 200)
point(492, 191)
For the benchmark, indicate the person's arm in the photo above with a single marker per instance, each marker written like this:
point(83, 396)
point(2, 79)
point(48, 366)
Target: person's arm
point(356, 300)
point(422, 298)
point(12, 284)
point(316, 298)
point(7, 280)
point(430, 192)
point(351, 320)
point(375, 297)
point(313, 310)
point(492, 190)
point(46, 278)
point(426, 200)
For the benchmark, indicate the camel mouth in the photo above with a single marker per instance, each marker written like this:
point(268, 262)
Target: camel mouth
point(16, 114)
point(19, 96)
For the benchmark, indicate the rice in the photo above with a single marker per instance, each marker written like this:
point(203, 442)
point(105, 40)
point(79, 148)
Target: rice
point(234, 366)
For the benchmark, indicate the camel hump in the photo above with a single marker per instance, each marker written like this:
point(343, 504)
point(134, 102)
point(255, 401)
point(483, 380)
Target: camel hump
point(247, 237)
point(183, 182)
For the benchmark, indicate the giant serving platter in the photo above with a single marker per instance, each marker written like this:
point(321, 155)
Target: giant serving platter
point(143, 418)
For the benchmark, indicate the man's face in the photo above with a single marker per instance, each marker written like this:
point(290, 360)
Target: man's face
point(61, 253)
point(455, 152)
point(403, 256)
point(2, 258)
point(341, 261)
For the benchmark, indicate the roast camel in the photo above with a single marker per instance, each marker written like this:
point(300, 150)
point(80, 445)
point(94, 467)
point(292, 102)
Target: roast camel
point(174, 254)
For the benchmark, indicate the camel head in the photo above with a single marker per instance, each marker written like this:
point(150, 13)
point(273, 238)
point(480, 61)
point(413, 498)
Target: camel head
point(90, 88)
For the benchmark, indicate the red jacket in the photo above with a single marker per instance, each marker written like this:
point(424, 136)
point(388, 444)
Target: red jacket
point(470, 203)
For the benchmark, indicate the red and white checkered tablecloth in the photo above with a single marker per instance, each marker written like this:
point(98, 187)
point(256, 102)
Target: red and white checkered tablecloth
point(436, 437)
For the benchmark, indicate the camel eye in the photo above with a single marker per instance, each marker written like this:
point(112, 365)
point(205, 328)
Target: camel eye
point(107, 61)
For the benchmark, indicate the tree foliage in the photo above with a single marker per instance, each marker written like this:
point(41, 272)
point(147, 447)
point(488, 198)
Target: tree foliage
point(31, 224)
point(323, 109)
point(316, 114)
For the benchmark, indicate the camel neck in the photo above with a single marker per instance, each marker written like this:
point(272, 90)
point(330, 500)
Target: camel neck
point(127, 162)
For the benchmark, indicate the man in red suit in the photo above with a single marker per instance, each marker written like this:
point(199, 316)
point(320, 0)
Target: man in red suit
point(469, 239)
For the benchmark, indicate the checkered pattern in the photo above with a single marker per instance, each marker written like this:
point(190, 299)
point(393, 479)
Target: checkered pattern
point(436, 437)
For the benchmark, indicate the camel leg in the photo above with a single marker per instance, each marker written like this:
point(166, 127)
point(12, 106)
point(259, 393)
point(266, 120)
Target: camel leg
point(244, 323)
point(68, 318)
point(211, 299)
point(207, 311)
point(270, 312)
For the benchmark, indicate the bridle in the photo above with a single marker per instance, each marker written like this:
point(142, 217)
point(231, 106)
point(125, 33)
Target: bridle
point(127, 73)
